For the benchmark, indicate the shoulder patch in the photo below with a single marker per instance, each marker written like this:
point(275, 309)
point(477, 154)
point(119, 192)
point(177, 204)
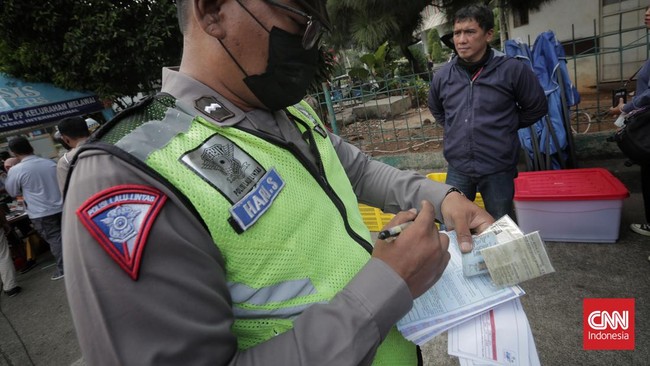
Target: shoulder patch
point(214, 109)
point(120, 219)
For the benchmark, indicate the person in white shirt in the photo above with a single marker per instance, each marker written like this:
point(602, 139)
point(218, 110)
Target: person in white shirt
point(35, 179)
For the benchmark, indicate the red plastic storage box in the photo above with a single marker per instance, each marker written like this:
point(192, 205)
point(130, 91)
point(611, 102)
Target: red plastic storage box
point(575, 205)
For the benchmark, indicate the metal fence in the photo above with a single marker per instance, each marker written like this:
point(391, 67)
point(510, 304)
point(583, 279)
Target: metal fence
point(391, 115)
point(380, 116)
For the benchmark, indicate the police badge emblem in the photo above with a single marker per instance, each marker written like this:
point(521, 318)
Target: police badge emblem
point(225, 166)
point(221, 157)
point(120, 219)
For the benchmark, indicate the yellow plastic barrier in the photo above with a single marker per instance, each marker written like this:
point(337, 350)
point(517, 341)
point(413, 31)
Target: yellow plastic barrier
point(374, 218)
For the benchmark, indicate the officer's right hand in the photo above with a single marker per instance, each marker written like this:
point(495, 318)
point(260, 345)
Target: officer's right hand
point(419, 254)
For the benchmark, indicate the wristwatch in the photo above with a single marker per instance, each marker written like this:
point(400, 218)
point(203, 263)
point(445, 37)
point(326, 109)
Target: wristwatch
point(454, 189)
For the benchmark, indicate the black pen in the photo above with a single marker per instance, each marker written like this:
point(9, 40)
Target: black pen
point(394, 231)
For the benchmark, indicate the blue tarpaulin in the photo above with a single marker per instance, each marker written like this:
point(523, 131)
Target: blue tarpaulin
point(528, 137)
point(24, 104)
point(549, 141)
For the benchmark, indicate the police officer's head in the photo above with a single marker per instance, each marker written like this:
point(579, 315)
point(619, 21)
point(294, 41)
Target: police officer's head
point(315, 8)
point(229, 45)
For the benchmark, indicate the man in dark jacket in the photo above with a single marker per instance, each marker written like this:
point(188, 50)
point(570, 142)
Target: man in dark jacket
point(482, 98)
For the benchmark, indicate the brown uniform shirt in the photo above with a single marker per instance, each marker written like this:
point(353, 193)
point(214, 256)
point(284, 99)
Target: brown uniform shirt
point(178, 311)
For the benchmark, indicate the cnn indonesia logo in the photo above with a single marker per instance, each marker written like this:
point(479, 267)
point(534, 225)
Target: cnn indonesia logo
point(608, 324)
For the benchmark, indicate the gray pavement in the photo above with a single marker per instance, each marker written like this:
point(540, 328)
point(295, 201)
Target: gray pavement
point(36, 327)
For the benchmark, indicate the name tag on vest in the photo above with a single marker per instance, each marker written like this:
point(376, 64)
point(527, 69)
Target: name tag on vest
point(248, 210)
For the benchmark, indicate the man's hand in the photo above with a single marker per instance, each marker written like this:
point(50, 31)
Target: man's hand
point(419, 254)
point(464, 216)
point(618, 109)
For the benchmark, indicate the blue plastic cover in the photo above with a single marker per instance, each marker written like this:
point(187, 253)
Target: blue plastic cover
point(547, 58)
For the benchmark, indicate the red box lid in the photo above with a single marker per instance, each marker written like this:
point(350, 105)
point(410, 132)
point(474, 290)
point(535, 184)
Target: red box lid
point(569, 185)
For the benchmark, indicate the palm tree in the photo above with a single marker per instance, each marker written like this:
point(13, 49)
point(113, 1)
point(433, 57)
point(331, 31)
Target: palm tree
point(367, 24)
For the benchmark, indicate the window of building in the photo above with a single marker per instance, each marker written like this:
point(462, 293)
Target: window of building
point(520, 16)
point(584, 46)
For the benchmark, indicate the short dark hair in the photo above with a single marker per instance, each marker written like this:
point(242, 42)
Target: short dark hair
point(74, 127)
point(20, 146)
point(480, 13)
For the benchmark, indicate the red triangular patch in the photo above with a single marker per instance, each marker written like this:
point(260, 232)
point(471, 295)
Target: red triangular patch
point(120, 219)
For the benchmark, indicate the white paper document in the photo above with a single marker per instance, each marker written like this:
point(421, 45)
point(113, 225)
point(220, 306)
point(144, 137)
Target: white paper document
point(501, 231)
point(518, 260)
point(501, 336)
point(473, 262)
point(452, 300)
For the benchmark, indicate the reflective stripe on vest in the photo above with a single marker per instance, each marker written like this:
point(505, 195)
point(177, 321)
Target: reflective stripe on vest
point(288, 290)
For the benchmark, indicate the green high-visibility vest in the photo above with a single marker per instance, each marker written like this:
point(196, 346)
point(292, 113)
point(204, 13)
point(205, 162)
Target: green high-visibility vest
point(307, 239)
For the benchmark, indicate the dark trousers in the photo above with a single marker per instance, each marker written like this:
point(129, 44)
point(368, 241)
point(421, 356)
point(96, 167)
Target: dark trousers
point(49, 228)
point(497, 189)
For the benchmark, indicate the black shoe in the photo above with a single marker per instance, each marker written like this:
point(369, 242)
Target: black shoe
point(29, 265)
point(14, 291)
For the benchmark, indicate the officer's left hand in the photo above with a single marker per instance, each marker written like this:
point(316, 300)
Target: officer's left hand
point(464, 216)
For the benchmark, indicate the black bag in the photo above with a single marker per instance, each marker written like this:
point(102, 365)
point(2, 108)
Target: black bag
point(634, 138)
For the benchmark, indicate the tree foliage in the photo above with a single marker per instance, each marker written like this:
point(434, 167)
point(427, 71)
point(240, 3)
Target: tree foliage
point(367, 24)
point(451, 6)
point(113, 48)
point(116, 47)
point(436, 53)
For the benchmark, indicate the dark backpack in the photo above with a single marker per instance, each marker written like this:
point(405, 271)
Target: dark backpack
point(634, 138)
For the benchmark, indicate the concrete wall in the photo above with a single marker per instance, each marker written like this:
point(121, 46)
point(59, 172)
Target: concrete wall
point(382, 108)
point(622, 49)
point(558, 16)
point(582, 73)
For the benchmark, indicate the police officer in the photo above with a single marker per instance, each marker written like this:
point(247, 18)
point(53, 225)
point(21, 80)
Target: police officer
point(217, 223)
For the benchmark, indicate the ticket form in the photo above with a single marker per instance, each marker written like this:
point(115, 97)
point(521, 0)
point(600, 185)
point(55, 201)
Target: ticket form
point(501, 336)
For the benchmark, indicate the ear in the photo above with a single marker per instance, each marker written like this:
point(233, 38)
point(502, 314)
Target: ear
point(209, 15)
point(490, 35)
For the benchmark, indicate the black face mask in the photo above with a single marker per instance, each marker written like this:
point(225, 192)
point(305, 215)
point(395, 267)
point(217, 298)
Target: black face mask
point(289, 71)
